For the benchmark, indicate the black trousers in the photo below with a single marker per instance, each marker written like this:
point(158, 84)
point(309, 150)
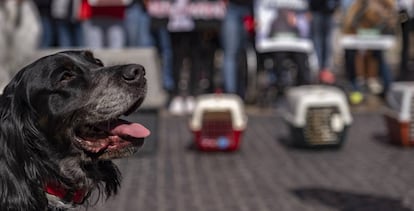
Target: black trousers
point(405, 72)
point(193, 54)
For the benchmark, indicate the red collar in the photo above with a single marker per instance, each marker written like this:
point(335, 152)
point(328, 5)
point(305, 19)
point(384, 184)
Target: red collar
point(74, 196)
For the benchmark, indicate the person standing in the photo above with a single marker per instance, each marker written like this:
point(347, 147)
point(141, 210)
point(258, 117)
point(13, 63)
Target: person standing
point(233, 40)
point(406, 10)
point(193, 53)
point(141, 33)
point(321, 30)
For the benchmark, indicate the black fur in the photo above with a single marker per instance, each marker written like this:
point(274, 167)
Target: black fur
point(40, 111)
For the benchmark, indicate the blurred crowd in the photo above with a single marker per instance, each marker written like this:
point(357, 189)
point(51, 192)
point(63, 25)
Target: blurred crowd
point(188, 47)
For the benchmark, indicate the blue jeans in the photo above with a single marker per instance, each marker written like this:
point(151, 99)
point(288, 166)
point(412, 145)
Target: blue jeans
point(47, 37)
point(104, 33)
point(139, 34)
point(233, 38)
point(164, 43)
point(69, 34)
point(138, 27)
point(321, 35)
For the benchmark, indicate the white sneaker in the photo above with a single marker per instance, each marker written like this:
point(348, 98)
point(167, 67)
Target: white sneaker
point(374, 85)
point(177, 106)
point(189, 104)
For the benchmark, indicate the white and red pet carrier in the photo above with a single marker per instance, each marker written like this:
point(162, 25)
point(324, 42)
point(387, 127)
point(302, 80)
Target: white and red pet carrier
point(318, 115)
point(399, 115)
point(218, 122)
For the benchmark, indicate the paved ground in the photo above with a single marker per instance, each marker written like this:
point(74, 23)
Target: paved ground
point(268, 175)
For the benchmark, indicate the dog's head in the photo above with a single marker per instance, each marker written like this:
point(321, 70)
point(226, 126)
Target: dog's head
point(60, 124)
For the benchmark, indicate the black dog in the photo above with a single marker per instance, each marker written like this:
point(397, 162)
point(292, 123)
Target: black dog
point(59, 130)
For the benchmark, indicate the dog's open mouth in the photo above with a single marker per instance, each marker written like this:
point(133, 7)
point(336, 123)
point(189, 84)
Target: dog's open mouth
point(111, 139)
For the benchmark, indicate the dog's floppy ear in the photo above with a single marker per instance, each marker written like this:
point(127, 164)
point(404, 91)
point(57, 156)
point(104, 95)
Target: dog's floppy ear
point(20, 169)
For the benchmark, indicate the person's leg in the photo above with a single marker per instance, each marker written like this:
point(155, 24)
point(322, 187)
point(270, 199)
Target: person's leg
point(355, 94)
point(371, 65)
point(326, 50)
point(230, 42)
point(384, 69)
point(47, 31)
point(321, 33)
point(350, 68)
point(138, 27)
point(178, 58)
point(193, 54)
point(280, 70)
point(209, 50)
point(92, 34)
point(232, 37)
point(202, 56)
point(64, 38)
point(405, 42)
point(180, 46)
point(317, 29)
point(373, 73)
point(77, 34)
point(115, 34)
point(304, 73)
point(165, 47)
point(131, 24)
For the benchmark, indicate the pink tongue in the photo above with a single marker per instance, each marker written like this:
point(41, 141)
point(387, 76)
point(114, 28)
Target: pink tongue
point(125, 128)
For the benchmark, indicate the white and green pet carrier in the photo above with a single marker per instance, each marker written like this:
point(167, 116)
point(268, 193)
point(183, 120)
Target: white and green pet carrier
point(317, 115)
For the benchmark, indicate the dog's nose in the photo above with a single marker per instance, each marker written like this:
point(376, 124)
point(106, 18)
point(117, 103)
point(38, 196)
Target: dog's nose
point(133, 73)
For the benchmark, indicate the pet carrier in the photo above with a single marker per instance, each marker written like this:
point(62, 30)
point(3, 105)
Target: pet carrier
point(317, 115)
point(218, 122)
point(399, 115)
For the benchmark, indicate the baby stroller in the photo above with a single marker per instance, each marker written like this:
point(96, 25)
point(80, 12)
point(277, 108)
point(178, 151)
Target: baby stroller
point(283, 45)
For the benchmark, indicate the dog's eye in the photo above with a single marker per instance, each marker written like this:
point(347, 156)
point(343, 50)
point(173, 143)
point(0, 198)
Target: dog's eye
point(66, 76)
point(99, 62)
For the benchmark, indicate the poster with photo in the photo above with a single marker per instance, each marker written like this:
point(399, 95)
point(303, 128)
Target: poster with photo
point(187, 15)
point(370, 25)
point(282, 25)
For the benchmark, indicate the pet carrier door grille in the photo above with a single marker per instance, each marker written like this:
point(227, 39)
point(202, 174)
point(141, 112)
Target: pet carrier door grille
point(318, 128)
point(216, 124)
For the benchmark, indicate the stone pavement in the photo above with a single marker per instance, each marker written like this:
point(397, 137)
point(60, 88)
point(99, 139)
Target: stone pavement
point(267, 174)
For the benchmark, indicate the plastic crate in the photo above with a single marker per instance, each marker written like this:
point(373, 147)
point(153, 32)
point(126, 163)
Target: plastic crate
point(399, 114)
point(317, 115)
point(218, 122)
